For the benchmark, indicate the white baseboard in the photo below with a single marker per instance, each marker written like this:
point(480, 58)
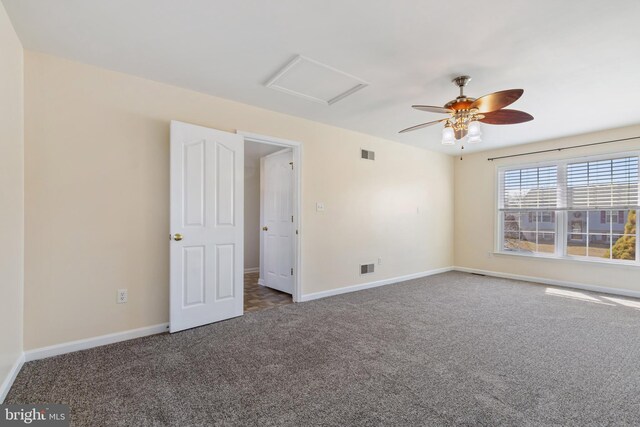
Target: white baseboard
point(552, 282)
point(11, 377)
point(252, 270)
point(68, 347)
point(354, 288)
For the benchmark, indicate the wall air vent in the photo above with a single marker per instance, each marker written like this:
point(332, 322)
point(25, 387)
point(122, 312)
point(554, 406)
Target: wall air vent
point(314, 81)
point(366, 268)
point(366, 154)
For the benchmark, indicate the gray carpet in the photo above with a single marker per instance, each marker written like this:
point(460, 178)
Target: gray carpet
point(451, 349)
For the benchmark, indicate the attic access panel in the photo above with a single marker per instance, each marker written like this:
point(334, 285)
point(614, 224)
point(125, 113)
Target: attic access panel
point(315, 81)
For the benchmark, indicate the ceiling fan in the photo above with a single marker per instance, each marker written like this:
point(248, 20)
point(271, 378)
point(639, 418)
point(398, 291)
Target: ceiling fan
point(467, 113)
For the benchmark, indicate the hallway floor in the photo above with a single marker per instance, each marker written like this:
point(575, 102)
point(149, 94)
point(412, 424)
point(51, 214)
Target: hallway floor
point(258, 297)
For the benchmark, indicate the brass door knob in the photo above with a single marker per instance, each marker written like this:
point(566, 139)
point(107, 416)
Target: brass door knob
point(265, 228)
point(177, 237)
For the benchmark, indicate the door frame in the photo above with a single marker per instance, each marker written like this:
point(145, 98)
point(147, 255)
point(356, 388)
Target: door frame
point(297, 200)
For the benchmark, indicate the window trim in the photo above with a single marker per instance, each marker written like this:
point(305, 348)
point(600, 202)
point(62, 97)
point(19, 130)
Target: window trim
point(560, 252)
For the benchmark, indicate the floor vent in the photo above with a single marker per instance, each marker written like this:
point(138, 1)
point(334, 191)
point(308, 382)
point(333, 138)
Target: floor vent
point(369, 155)
point(366, 268)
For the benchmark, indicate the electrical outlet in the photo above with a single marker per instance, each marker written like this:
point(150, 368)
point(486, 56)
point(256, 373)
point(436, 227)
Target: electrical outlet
point(122, 296)
point(319, 207)
point(379, 261)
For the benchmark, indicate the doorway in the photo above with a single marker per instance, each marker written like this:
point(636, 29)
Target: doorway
point(271, 223)
point(206, 249)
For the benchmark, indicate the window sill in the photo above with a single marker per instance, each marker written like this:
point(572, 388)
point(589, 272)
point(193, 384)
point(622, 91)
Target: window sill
point(632, 265)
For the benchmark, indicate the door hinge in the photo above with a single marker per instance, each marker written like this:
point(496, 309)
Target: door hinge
point(291, 163)
point(291, 218)
point(296, 232)
point(292, 271)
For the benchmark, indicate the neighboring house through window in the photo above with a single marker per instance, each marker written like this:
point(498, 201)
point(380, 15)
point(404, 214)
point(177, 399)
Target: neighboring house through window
point(571, 208)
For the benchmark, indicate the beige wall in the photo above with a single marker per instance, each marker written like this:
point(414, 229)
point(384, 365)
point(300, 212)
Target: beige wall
point(97, 181)
point(11, 195)
point(475, 214)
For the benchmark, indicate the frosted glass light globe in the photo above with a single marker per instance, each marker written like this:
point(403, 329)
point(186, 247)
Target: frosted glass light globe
point(448, 136)
point(474, 128)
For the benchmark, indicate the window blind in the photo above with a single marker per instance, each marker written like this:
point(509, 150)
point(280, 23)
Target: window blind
point(602, 184)
point(581, 207)
point(529, 189)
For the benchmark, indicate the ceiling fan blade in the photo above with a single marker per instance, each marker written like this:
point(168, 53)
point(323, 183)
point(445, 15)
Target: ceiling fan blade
point(497, 100)
point(423, 125)
point(506, 117)
point(432, 109)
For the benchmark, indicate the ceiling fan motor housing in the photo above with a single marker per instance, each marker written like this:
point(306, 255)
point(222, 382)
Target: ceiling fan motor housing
point(462, 102)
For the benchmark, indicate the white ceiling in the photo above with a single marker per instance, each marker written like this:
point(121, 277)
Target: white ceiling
point(577, 60)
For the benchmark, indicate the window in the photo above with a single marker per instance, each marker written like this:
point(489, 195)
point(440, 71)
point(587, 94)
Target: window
point(601, 234)
point(544, 216)
point(607, 217)
point(582, 209)
point(528, 199)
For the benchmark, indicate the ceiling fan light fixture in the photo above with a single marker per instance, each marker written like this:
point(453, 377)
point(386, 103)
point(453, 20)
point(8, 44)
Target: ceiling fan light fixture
point(474, 139)
point(474, 129)
point(448, 135)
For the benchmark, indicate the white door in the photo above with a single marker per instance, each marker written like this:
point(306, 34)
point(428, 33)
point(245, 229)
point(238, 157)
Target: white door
point(276, 211)
point(206, 252)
